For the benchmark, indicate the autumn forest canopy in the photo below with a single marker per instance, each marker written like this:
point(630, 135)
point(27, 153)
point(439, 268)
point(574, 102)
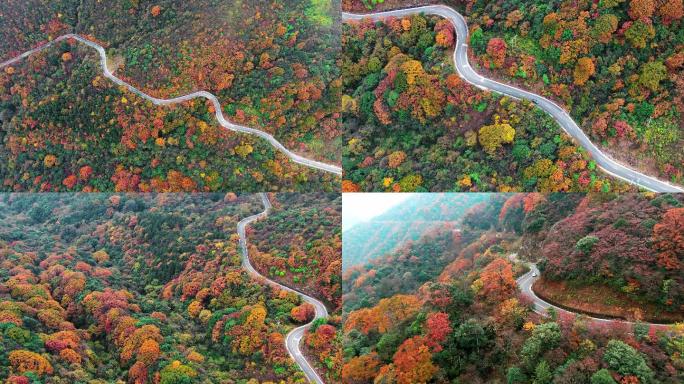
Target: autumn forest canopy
point(412, 124)
point(150, 288)
point(65, 127)
point(449, 307)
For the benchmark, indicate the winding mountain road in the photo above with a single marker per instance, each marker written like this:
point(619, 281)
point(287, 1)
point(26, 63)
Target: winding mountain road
point(541, 307)
point(464, 70)
point(293, 339)
point(199, 94)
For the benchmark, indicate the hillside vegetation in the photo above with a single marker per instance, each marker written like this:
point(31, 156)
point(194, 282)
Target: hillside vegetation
point(270, 68)
point(414, 125)
point(402, 224)
point(447, 308)
point(139, 288)
point(615, 65)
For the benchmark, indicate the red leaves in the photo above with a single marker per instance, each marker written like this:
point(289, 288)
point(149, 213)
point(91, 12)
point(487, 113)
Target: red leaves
point(496, 49)
point(438, 328)
point(497, 280)
point(303, 313)
point(445, 33)
point(669, 239)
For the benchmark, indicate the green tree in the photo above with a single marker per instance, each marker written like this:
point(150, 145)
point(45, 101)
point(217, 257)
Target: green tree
point(652, 73)
point(586, 244)
point(477, 41)
point(602, 377)
point(471, 336)
point(543, 374)
point(639, 33)
point(515, 375)
point(544, 337)
point(625, 360)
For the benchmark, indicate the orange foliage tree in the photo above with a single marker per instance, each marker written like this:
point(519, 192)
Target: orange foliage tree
point(22, 361)
point(641, 9)
point(361, 369)
point(584, 70)
point(413, 362)
point(303, 313)
point(149, 352)
point(386, 314)
point(497, 280)
point(669, 239)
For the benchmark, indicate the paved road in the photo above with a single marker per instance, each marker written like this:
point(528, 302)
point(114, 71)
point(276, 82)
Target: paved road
point(217, 106)
point(464, 70)
point(525, 283)
point(293, 339)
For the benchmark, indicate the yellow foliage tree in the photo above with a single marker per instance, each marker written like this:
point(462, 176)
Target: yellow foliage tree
point(49, 161)
point(413, 70)
point(583, 70)
point(101, 256)
point(244, 150)
point(492, 137)
point(194, 308)
point(23, 361)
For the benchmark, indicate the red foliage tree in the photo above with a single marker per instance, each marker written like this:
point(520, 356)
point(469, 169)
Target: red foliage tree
point(303, 313)
point(668, 235)
point(496, 49)
point(438, 328)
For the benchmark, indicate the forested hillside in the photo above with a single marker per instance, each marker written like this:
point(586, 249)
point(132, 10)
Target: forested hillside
point(615, 65)
point(271, 69)
point(626, 245)
point(453, 311)
point(404, 223)
point(67, 128)
point(446, 135)
point(299, 245)
point(138, 288)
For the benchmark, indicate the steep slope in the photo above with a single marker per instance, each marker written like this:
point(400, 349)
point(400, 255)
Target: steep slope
point(631, 245)
point(407, 222)
point(141, 288)
point(300, 242)
point(470, 323)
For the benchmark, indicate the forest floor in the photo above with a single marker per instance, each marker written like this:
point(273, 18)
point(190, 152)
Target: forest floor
point(601, 301)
